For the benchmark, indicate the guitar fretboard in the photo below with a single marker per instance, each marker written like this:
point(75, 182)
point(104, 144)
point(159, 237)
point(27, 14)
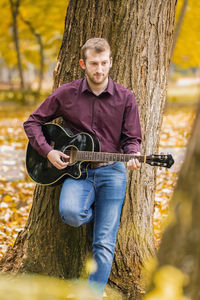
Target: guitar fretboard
point(106, 157)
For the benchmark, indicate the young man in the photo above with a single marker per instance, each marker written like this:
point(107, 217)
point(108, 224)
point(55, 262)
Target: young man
point(100, 106)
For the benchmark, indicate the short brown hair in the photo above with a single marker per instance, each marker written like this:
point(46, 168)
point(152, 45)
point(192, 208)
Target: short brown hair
point(97, 44)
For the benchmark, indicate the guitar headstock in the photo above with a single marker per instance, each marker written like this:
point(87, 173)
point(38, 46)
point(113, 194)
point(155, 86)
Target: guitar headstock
point(160, 160)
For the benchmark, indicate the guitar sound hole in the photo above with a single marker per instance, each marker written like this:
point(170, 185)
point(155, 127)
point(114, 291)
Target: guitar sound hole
point(71, 152)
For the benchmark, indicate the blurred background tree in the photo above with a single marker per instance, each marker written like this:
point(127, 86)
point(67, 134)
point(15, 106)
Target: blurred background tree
point(28, 53)
point(36, 28)
point(187, 49)
point(141, 48)
point(177, 273)
point(184, 80)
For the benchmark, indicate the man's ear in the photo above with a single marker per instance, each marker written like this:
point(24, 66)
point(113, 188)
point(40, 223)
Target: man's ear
point(111, 61)
point(82, 64)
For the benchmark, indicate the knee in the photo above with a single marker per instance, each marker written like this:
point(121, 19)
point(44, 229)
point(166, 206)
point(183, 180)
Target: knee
point(70, 217)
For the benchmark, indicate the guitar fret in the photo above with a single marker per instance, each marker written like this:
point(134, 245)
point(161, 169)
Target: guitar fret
point(93, 156)
point(127, 157)
point(105, 156)
point(102, 156)
point(82, 155)
point(97, 155)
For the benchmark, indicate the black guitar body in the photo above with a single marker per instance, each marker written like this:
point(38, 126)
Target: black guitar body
point(82, 149)
point(60, 138)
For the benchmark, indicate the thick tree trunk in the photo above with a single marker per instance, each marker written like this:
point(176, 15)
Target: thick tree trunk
point(140, 34)
point(180, 247)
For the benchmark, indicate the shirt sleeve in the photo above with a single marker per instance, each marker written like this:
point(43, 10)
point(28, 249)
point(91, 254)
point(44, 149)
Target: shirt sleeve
point(131, 136)
point(46, 112)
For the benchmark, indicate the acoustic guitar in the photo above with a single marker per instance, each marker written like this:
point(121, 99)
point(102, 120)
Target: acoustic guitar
point(82, 148)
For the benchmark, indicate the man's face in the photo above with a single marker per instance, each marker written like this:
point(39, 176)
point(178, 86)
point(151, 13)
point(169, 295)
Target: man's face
point(97, 66)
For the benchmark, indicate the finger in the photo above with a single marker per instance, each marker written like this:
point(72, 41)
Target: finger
point(131, 164)
point(60, 164)
point(63, 158)
point(138, 164)
point(63, 155)
point(60, 167)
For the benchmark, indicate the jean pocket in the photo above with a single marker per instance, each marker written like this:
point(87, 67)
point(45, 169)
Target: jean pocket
point(119, 166)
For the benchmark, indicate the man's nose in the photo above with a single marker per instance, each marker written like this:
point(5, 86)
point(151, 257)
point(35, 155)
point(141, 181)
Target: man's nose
point(99, 68)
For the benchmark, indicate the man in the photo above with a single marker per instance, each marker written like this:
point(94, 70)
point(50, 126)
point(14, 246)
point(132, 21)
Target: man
point(99, 106)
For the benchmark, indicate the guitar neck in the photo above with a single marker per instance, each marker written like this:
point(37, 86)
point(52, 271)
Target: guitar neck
point(106, 157)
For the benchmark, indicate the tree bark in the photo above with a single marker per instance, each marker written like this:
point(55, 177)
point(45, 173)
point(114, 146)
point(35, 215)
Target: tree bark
point(180, 247)
point(140, 34)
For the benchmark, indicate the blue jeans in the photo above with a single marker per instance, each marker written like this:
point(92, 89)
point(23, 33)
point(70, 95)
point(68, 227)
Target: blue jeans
point(99, 197)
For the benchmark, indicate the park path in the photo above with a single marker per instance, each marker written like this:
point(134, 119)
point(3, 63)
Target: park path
point(12, 149)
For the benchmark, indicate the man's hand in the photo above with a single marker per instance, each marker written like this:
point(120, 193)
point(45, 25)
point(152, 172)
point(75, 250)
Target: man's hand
point(134, 164)
point(54, 156)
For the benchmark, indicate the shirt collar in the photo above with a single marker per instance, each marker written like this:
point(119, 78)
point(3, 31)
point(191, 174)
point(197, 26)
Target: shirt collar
point(109, 89)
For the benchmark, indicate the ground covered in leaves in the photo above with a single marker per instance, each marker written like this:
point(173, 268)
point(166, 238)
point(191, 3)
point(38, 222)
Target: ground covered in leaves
point(175, 133)
point(16, 189)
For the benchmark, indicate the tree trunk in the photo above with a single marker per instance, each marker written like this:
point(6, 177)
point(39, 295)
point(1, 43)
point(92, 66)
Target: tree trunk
point(179, 24)
point(15, 11)
point(140, 34)
point(41, 47)
point(180, 247)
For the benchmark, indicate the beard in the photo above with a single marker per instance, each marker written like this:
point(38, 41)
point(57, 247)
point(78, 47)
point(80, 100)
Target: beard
point(97, 78)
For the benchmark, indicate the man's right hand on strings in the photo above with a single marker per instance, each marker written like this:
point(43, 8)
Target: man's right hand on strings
point(55, 157)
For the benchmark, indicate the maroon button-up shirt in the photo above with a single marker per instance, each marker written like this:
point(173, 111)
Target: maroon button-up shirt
point(112, 116)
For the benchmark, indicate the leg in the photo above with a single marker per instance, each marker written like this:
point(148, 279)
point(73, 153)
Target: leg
point(110, 193)
point(76, 199)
